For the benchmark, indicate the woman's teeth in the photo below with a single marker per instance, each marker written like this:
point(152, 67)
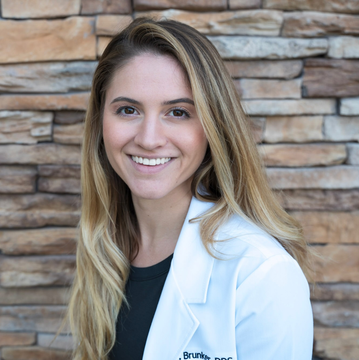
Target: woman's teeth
point(150, 162)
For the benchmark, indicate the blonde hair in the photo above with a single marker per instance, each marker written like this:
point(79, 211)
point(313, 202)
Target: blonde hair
point(231, 175)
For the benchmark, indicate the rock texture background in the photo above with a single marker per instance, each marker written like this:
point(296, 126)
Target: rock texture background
point(295, 64)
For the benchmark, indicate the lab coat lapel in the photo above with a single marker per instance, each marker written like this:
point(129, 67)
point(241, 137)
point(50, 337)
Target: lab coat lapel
point(187, 282)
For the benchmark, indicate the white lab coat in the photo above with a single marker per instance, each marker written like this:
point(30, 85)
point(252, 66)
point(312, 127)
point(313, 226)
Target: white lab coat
point(254, 305)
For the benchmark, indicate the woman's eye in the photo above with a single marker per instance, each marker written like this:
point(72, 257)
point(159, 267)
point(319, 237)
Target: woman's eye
point(126, 110)
point(179, 113)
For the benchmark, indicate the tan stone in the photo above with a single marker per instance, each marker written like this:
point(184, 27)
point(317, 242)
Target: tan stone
point(289, 107)
point(268, 89)
point(244, 4)
point(40, 154)
point(341, 128)
point(43, 40)
point(64, 342)
point(37, 271)
point(257, 127)
point(337, 343)
point(255, 47)
point(286, 69)
point(329, 227)
point(247, 22)
point(326, 77)
point(34, 296)
point(34, 353)
point(48, 241)
point(20, 9)
point(310, 24)
point(202, 5)
point(39, 210)
point(336, 177)
point(303, 155)
point(331, 200)
point(105, 7)
point(336, 263)
point(102, 42)
point(346, 47)
point(47, 77)
point(17, 339)
point(69, 134)
point(296, 129)
point(69, 117)
point(25, 127)
point(75, 101)
point(109, 25)
point(17, 179)
point(337, 292)
point(340, 6)
point(353, 154)
point(349, 106)
point(336, 313)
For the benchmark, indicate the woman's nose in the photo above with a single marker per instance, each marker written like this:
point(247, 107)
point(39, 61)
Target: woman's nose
point(150, 133)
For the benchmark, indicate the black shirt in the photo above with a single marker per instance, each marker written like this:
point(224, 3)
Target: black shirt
point(143, 291)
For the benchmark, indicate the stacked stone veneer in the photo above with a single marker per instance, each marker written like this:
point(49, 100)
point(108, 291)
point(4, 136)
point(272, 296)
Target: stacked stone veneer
point(295, 64)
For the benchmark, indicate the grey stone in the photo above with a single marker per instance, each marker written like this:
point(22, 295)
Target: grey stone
point(353, 154)
point(346, 47)
point(349, 106)
point(341, 128)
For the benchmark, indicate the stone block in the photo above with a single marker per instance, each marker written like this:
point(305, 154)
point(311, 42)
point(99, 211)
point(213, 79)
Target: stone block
point(37, 210)
point(247, 22)
point(337, 292)
point(336, 313)
point(253, 47)
point(326, 78)
point(34, 353)
point(294, 155)
point(25, 127)
point(110, 25)
point(349, 106)
point(336, 263)
point(336, 177)
point(59, 179)
point(19, 9)
point(336, 343)
point(37, 271)
point(64, 342)
point(339, 6)
point(257, 127)
point(353, 154)
point(105, 7)
point(297, 129)
point(286, 69)
point(47, 77)
point(331, 200)
point(289, 107)
point(198, 5)
point(102, 42)
point(74, 101)
point(69, 134)
point(42, 40)
point(244, 4)
point(69, 117)
point(310, 24)
point(35, 296)
point(17, 179)
point(341, 128)
point(346, 47)
point(329, 227)
point(40, 154)
point(47, 241)
point(17, 339)
point(268, 89)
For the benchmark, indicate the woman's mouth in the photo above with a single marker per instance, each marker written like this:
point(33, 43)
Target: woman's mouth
point(150, 162)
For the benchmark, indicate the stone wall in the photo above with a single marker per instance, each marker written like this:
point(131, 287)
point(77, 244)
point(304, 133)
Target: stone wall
point(295, 64)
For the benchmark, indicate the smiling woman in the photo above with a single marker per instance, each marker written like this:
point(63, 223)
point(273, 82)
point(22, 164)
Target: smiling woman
point(184, 252)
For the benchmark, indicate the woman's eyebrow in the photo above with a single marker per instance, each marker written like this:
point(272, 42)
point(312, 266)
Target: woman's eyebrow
point(122, 98)
point(176, 101)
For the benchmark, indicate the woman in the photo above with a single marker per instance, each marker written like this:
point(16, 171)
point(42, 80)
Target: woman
point(184, 251)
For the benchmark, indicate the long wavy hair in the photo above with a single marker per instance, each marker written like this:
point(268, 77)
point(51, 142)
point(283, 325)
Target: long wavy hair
point(231, 176)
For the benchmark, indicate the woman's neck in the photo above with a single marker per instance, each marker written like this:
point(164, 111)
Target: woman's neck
point(160, 222)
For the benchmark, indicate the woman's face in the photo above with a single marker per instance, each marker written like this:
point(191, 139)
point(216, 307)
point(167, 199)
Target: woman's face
point(152, 134)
